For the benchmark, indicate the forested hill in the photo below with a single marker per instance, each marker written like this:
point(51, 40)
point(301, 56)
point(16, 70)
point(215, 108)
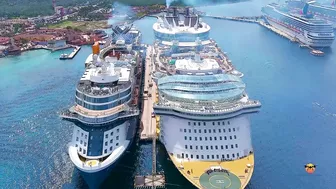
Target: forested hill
point(31, 8)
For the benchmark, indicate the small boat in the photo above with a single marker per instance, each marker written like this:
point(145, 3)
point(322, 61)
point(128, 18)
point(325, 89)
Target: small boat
point(64, 56)
point(317, 53)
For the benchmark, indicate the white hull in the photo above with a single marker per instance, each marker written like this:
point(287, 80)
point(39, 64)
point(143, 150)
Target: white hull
point(227, 139)
point(299, 36)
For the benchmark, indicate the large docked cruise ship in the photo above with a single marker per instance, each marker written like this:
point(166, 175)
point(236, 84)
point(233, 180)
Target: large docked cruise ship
point(202, 107)
point(325, 12)
point(304, 27)
point(105, 111)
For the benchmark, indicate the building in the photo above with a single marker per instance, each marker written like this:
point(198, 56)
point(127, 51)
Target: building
point(4, 40)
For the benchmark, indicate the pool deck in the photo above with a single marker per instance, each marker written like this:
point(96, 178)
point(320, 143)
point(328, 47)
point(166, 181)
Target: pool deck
point(196, 172)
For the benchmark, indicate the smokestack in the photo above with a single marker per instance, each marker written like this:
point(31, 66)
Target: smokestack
point(187, 11)
point(95, 48)
point(174, 11)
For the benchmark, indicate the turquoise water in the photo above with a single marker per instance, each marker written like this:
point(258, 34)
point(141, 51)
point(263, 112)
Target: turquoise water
point(295, 126)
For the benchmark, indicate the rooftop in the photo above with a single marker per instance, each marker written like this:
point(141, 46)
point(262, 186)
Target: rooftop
point(190, 64)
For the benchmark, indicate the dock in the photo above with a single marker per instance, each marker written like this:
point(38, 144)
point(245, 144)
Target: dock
point(261, 21)
point(148, 125)
point(72, 54)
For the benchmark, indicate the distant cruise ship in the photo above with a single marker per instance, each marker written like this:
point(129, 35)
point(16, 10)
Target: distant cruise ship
point(309, 30)
point(320, 11)
point(105, 111)
point(202, 107)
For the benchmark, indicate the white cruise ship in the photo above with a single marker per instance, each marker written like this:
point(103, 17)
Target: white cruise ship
point(202, 107)
point(304, 27)
point(105, 111)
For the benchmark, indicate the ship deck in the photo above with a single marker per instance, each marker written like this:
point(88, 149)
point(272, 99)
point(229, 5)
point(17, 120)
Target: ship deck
point(95, 113)
point(239, 172)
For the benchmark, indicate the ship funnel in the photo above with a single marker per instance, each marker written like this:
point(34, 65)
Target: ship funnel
point(174, 11)
point(305, 9)
point(187, 11)
point(95, 48)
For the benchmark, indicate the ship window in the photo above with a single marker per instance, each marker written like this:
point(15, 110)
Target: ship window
point(218, 123)
point(186, 155)
point(227, 155)
point(215, 138)
point(181, 130)
point(202, 156)
point(223, 156)
point(190, 147)
point(199, 131)
point(216, 147)
point(223, 122)
point(238, 155)
point(111, 133)
point(85, 136)
point(199, 123)
point(77, 139)
point(106, 136)
point(233, 155)
point(191, 156)
point(204, 123)
point(185, 130)
point(217, 156)
point(182, 155)
point(105, 143)
point(117, 144)
point(84, 151)
point(111, 141)
point(211, 147)
point(208, 157)
point(196, 147)
point(194, 123)
point(229, 130)
point(111, 148)
point(186, 146)
point(76, 145)
point(77, 131)
point(117, 130)
point(80, 149)
point(213, 123)
point(196, 138)
point(230, 137)
point(195, 131)
point(201, 147)
point(81, 142)
point(91, 137)
point(105, 151)
point(231, 145)
point(213, 156)
point(209, 130)
point(225, 138)
point(233, 129)
point(189, 138)
point(222, 147)
point(197, 156)
point(235, 137)
point(226, 146)
point(206, 147)
point(236, 145)
point(189, 130)
point(185, 137)
point(204, 130)
point(214, 130)
point(228, 122)
point(117, 138)
point(210, 138)
point(224, 130)
point(200, 138)
point(188, 123)
point(206, 138)
point(219, 130)
point(82, 134)
point(220, 138)
point(84, 143)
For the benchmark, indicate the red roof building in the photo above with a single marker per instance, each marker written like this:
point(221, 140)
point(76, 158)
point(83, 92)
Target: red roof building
point(4, 40)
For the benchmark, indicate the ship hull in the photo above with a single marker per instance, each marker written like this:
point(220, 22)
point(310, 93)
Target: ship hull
point(299, 36)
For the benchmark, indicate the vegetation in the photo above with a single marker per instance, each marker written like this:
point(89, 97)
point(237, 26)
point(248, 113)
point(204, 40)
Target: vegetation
point(79, 26)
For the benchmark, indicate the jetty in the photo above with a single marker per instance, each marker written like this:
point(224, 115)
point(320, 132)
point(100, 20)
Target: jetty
point(72, 54)
point(263, 22)
point(148, 125)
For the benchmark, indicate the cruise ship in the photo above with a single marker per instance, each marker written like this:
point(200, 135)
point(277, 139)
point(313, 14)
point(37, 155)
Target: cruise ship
point(303, 27)
point(105, 112)
point(325, 12)
point(201, 105)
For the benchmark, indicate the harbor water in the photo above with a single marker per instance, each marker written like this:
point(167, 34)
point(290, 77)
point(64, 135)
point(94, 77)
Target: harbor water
point(296, 125)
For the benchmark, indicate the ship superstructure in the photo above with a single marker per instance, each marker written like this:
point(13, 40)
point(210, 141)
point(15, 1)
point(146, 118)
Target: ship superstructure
point(304, 27)
point(325, 12)
point(203, 110)
point(105, 111)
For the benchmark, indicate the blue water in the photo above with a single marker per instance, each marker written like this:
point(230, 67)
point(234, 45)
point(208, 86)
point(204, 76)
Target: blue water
point(297, 123)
